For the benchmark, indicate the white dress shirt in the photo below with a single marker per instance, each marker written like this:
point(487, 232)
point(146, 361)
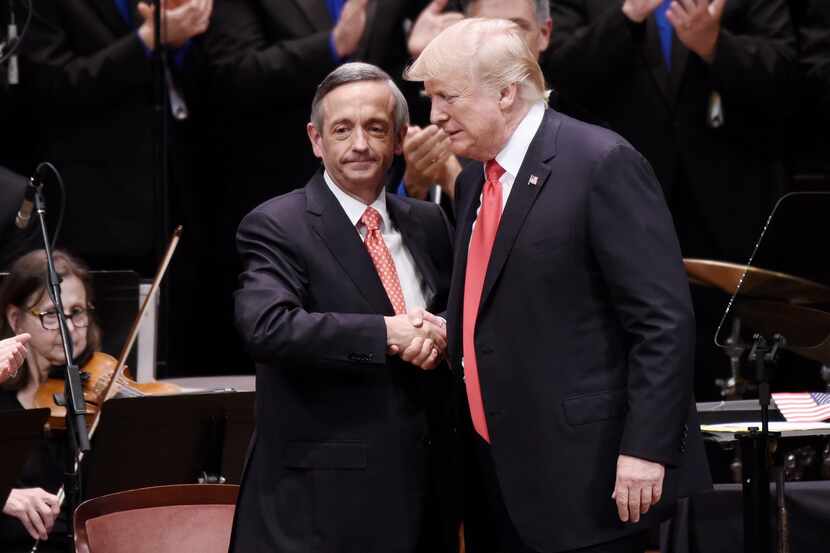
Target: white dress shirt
point(412, 283)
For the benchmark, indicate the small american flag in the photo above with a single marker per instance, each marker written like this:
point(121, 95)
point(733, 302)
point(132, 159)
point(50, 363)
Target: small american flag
point(803, 407)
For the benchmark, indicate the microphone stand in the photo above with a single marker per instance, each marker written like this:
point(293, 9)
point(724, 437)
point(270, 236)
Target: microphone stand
point(73, 396)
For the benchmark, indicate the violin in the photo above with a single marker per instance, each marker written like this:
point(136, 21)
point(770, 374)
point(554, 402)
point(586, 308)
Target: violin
point(99, 372)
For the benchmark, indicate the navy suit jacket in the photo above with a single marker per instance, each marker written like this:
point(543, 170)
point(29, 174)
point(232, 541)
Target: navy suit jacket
point(584, 337)
point(350, 443)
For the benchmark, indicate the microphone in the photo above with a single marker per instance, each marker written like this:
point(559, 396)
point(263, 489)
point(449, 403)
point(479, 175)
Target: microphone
point(25, 212)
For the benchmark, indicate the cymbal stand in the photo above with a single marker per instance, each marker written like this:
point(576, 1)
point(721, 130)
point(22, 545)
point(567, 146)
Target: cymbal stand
point(756, 451)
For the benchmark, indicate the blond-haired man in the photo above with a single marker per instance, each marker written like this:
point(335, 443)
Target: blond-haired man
point(569, 311)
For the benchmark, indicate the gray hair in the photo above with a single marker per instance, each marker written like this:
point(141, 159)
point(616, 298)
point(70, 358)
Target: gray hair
point(541, 7)
point(356, 72)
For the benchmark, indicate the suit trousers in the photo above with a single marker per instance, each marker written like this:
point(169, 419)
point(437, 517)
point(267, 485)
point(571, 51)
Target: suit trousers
point(488, 526)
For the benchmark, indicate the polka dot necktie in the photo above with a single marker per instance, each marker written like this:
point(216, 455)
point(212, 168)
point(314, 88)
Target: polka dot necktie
point(478, 256)
point(384, 264)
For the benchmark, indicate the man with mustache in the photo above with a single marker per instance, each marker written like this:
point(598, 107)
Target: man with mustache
point(351, 430)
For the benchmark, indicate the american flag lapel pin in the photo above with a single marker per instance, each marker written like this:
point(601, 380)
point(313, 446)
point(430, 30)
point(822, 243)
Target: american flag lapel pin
point(533, 180)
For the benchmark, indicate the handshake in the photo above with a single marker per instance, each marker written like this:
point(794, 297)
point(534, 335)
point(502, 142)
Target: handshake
point(418, 337)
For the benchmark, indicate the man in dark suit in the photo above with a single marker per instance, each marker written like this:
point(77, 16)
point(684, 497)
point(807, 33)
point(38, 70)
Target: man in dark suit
point(705, 91)
point(350, 439)
point(569, 312)
point(88, 69)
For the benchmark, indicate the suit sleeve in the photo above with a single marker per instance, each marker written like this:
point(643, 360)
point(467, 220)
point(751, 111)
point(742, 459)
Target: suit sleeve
point(635, 245)
point(246, 63)
point(270, 313)
point(69, 78)
point(587, 54)
point(754, 67)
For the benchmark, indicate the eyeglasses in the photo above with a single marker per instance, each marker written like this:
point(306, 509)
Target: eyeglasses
point(49, 319)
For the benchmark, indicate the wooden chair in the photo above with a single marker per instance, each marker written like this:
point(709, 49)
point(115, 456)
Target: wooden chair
point(163, 519)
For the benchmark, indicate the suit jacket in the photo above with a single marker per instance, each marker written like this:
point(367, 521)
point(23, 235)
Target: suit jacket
point(721, 183)
point(348, 440)
point(91, 79)
point(584, 335)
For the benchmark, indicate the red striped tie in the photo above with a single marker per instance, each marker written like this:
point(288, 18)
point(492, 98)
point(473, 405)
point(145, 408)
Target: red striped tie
point(481, 245)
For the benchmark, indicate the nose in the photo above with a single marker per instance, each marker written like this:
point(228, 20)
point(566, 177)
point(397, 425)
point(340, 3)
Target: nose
point(437, 115)
point(359, 142)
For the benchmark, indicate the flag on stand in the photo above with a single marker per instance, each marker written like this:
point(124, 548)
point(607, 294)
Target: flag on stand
point(803, 407)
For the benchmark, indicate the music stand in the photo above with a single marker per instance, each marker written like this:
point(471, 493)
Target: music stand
point(20, 431)
point(781, 300)
point(176, 439)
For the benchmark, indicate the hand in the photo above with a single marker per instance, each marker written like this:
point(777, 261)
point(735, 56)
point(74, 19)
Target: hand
point(183, 19)
point(639, 485)
point(419, 337)
point(426, 152)
point(429, 24)
point(697, 24)
point(12, 355)
point(639, 10)
point(349, 30)
point(36, 508)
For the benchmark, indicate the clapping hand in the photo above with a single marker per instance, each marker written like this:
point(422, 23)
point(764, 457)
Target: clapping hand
point(183, 19)
point(418, 337)
point(697, 24)
point(639, 10)
point(12, 355)
point(429, 24)
point(428, 161)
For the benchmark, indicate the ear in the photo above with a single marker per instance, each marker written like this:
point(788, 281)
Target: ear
point(544, 35)
point(13, 315)
point(399, 140)
point(508, 97)
point(316, 140)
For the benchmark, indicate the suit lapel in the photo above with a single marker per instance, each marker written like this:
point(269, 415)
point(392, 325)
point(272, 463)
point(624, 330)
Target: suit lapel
point(529, 182)
point(316, 12)
point(679, 57)
point(336, 230)
point(466, 213)
point(414, 238)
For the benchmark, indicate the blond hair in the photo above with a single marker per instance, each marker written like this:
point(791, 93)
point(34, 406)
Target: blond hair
point(491, 52)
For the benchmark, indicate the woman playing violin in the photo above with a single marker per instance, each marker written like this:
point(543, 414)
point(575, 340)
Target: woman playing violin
point(32, 509)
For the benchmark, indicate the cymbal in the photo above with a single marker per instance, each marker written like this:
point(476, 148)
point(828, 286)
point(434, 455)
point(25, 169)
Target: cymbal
point(806, 330)
point(757, 283)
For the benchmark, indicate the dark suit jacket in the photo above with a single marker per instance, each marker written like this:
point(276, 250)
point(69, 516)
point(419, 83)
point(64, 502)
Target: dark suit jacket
point(584, 336)
point(348, 440)
point(91, 80)
point(720, 183)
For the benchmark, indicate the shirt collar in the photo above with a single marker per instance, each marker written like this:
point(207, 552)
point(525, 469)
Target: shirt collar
point(513, 154)
point(354, 207)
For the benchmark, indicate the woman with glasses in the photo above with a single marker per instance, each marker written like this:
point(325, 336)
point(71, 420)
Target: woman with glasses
point(31, 510)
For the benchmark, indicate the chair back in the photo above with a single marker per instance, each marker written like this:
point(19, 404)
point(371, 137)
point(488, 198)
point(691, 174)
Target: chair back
point(162, 519)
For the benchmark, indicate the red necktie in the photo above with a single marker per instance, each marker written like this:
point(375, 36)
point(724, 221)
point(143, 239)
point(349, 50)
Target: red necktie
point(481, 245)
point(384, 264)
